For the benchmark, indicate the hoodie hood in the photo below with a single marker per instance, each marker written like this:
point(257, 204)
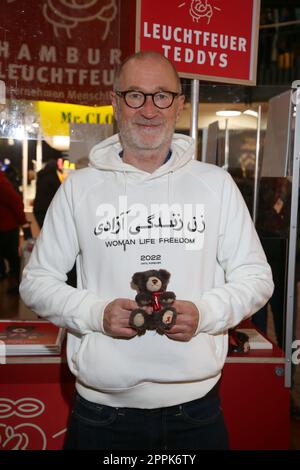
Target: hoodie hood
point(106, 156)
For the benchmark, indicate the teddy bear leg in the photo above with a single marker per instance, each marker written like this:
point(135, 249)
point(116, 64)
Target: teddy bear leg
point(138, 320)
point(166, 319)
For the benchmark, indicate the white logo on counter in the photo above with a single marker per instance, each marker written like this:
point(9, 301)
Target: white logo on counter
point(24, 435)
point(18, 437)
point(26, 407)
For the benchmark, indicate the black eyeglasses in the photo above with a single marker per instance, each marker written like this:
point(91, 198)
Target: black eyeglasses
point(136, 99)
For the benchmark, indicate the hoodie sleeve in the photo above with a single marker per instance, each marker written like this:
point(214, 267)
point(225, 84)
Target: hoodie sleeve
point(43, 287)
point(248, 278)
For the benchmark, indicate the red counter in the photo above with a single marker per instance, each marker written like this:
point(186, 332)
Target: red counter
point(36, 393)
point(35, 397)
point(255, 402)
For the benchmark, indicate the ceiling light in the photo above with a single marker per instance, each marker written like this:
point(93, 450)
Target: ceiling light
point(61, 142)
point(58, 142)
point(251, 112)
point(228, 113)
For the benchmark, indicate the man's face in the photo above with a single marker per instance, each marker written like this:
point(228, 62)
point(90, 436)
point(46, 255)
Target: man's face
point(148, 127)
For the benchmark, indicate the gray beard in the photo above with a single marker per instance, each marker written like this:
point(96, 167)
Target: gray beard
point(132, 140)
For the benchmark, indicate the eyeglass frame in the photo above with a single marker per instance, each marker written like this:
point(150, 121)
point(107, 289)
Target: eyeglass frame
point(122, 94)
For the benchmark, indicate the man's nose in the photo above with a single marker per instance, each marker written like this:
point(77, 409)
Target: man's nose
point(149, 109)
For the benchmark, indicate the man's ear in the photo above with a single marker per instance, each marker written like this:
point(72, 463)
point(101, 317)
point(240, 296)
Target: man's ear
point(114, 103)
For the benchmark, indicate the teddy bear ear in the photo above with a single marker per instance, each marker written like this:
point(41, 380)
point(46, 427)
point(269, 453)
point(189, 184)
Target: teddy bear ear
point(135, 281)
point(164, 275)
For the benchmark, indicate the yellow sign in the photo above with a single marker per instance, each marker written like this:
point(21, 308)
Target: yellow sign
point(56, 117)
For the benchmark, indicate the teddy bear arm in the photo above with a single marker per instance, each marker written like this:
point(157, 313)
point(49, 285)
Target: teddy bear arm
point(167, 298)
point(143, 299)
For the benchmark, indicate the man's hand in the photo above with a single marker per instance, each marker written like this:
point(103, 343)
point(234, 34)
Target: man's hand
point(116, 318)
point(186, 321)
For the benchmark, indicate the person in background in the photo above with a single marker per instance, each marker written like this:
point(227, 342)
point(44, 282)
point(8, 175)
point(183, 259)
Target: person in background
point(146, 203)
point(12, 174)
point(47, 183)
point(273, 229)
point(12, 217)
point(2, 269)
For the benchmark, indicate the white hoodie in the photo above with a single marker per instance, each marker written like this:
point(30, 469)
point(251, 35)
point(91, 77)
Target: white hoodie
point(186, 217)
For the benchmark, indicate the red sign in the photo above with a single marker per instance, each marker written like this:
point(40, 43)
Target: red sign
point(207, 39)
point(61, 50)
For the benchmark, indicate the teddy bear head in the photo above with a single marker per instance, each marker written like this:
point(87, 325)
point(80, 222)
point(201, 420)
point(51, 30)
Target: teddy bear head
point(150, 281)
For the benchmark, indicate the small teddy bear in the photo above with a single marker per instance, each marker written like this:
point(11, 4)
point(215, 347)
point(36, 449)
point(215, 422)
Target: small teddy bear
point(151, 287)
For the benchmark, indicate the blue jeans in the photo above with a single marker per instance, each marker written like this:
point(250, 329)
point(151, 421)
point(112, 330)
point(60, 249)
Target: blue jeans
point(195, 425)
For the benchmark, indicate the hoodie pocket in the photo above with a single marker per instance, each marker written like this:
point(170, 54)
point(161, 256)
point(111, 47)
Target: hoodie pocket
point(102, 365)
point(111, 364)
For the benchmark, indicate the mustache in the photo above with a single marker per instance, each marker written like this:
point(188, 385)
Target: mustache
point(149, 122)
